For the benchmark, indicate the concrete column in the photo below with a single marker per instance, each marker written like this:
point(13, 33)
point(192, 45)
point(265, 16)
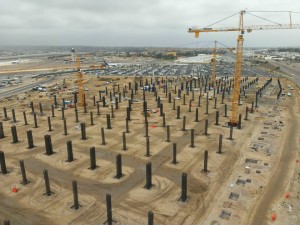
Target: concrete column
point(183, 196)
point(49, 123)
point(220, 144)
point(205, 161)
point(150, 218)
point(2, 163)
point(183, 123)
point(124, 141)
point(148, 176)
point(197, 115)
point(178, 112)
point(75, 195)
point(25, 118)
point(108, 123)
point(13, 115)
point(65, 127)
point(148, 147)
point(35, 121)
point(174, 161)
point(217, 118)
point(30, 139)
point(14, 134)
point(206, 127)
point(103, 136)
point(108, 210)
point(70, 151)
point(1, 131)
point(192, 138)
point(168, 133)
point(93, 158)
point(47, 183)
point(83, 131)
point(92, 118)
point(119, 166)
point(23, 173)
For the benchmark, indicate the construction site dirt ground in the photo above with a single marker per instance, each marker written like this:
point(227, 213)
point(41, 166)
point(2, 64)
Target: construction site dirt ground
point(255, 180)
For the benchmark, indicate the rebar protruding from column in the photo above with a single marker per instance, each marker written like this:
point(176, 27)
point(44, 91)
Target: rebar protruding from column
point(49, 123)
point(231, 133)
point(103, 136)
point(2, 163)
point(205, 161)
point(92, 118)
point(35, 120)
point(183, 196)
point(1, 131)
point(168, 133)
point(75, 195)
point(148, 176)
point(23, 172)
point(174, 161)
point(108, 123)
point(247, 111)
point(220, 144)
point(148, 147)
point(178, 112)
point(119, 166)
point(14, 134)
point(124, 141)
point(83, 131)
point(183, 123)
point(150, 218)
point(48, 145)
point(93, 158)
point(13, 115)
point(30, 139)
point(239, 125)
point(5, 113)
point(109, 220)
point(225, 110)
point(192, 138)
point(206, 127)
point(217, 118)
point(25, 118)
point(47, 183)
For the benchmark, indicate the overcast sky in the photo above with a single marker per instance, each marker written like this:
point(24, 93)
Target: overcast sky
point(139, 22)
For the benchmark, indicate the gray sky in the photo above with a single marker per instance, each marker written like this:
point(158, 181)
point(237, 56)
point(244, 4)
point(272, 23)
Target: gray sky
point(139, 22)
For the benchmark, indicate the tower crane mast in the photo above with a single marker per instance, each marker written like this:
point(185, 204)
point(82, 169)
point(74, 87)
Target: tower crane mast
point(239, 52)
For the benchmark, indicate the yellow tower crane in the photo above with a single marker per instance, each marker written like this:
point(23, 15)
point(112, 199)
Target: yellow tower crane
point(80, 84)
point(239, 52)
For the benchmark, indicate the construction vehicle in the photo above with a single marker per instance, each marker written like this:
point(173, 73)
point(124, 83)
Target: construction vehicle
point(239, 51)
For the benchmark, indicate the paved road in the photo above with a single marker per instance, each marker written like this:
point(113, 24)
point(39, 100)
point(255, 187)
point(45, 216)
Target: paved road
point(292, 72)
point(21, 89)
